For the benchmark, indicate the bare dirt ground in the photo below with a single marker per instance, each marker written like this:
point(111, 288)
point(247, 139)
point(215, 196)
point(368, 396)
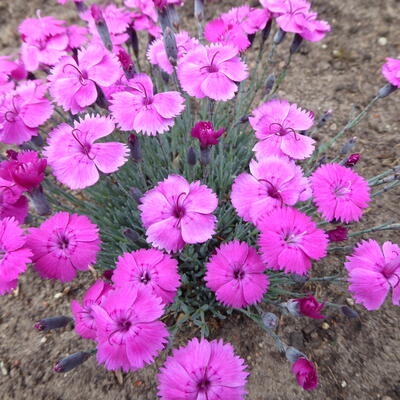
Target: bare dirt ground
point(358, 359)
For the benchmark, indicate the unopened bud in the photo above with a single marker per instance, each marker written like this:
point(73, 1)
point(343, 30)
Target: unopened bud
point(134, 147)
point(136, 194)
point(72, 361)
point(339, 234)
point(48, 324)
point(101, 100)
point(352, 160)
point(131, 234)
point(38, 140)
point(266, 31)
point(39, 201)
point(101, 26)
point(244, 119)
point(349, 145)
point(349, 312)
point(325, 117)
point(205, 155)
point(133, 40)
point(165, 77)
point(292, 307)
point(108, 273)
point(386, 90)
point(126, 63)
point(199, 9)
point(170, 46)
point(191, 156)
point(292, 354)
point(297, 41)
point(300, 278)
point(270, 320)
point(251, 38)
point(269, 84)
point(80, 6)
point(279, 36)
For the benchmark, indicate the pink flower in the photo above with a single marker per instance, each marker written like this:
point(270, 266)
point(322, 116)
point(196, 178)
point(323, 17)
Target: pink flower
point(273, 182)
point(391, 71)
point(203, 370)
point(339, 234)
point(77, 36)
point(17, 209)
point(14, 254)
point(175, 213)
point(128, 333)
point(139, 109)
point(73, 84)
point(306, 374)
point(63, 244)
point(76, 146)
point(22, 111)
point(26, 169)
point(204, 131)
point(289, 240)
point(236, 275)
point(211, 71)
point(373, 271)
point(309, 307)
point(157, 55)
point(277, 123)
point(234, 26)
point(339, 193)
point(149, 269)
point(83, 314)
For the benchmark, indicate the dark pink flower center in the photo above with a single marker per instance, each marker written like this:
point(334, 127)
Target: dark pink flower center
point(124, 325)
point(62, 241)
point(293, 238)
point(179, 210)
point(238, 274)
point(342, 190)
point(145, 277)
point(82, 74)
point(212, 67)
point(203, 385)
point(85, 146)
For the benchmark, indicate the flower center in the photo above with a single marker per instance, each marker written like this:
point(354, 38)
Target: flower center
point(293, 239)
point(238, 274)
point(342, 190)
point(62, 241)
point(124, 325)
point(212, 68)
point(145, 277)
point(179, 210)
point(203, 385)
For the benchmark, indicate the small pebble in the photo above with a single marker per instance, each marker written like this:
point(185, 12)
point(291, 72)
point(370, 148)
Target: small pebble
point(350, 301)
point(58, 295)
point(325, 326)
point(382, 41)
point(324, 46)
point(333, 127)
point(66, 290)
point(3, 369)
point(43, 339)
point(386, 398)
point(343, 384)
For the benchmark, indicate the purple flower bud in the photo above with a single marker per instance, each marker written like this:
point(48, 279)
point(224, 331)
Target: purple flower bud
point(270, 320)
point(108, 273)
point(325, 117)
point(349, 312)
point(37, 140)
point(101, 100)
point(101, 26)
point(300, 278)
point(126, 63)
point(349, 145)
point(339, 234)
point(269, 84)
point(48, 324)
point(160, 4)
point(131, 234)
point(244, 119)
point(134, 146)
point(279, 36)
point(170, 46)
point(292, 354)
point(386, 90)
point(39, 201)
point(133, 39)
point(266, 31)
point(199, 9)
point(309, 307)
point(96, 14)
point(204, 131)
point(191, 156)
point(136, 194)
point(80, 6)
point(72, 361)
point(297, 41)
point(352, 160)
point(205, 155)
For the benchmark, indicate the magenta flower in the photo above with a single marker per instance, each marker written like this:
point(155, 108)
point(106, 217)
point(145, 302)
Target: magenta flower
point(309, 307)
point(14, 254)
point(339, 234)
point(236, 275)
point(273, 182)
point(17, 209)
point(149, 269)
point(203, 370)
point(391, 71)
point(139, 109)
point(157, 55)
point(373, 271)
point(62, 245)
point(22, 111)
point(339, 193)
point(128, 332)
point(277, 123)
point(175, 213)
point(234, 26)
point(84, 320)
point(76, 146)
point(73, 83)
point(204, 131)
point(289, 240)
point(25, 169)
point(211, 71)
point(306, 373)
point(352, 160)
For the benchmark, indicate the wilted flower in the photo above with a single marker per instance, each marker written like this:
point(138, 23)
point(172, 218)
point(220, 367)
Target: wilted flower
point(149, 269)
point(129, 334)
point(72, 361)
point(289, 240)
point(63, 244)
point(339, 234)
point(203, 370)
point(309, 307)
point(339, 193)
point(204, 131)
point(236, 275)
point(277, 123)
point(211, 71)
point(51, 323)
point(76, 146)
point(175, 213)
point(306, 374)
point(373, 271)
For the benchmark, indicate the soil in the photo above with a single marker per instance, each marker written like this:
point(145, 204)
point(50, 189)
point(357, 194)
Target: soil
point(357, 359)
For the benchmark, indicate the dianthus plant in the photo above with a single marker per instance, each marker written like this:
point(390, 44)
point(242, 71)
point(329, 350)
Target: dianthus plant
point(184, 183)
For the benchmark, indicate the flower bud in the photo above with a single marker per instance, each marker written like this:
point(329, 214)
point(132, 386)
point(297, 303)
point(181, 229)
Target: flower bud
point(244, 119)
point(270, 320)
point(325, 117)
point(133, 39)
point(352, 160)
point(339, 234)
point(199, 9)
point(108, 273)
point(101, 26)
point(170, 46)
point(205, 155)
point(349, 312)
point(386, 90)
point(39, 201)
point(269, 84)
point(37, 140)
point(266, 31)
point(131, 234)
point(297, 41)
point(292, 354)
point(279, 36)
point(101, 100)
point(206, 134)
point(349, 145)
point(136, 194)
point(300, 278)
point(72, 361)
point(80, 6)
point(126, 63)
point(306, 374)
point(191, 156)
point(48, 324)
point(134, 147)
point(309, 307)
